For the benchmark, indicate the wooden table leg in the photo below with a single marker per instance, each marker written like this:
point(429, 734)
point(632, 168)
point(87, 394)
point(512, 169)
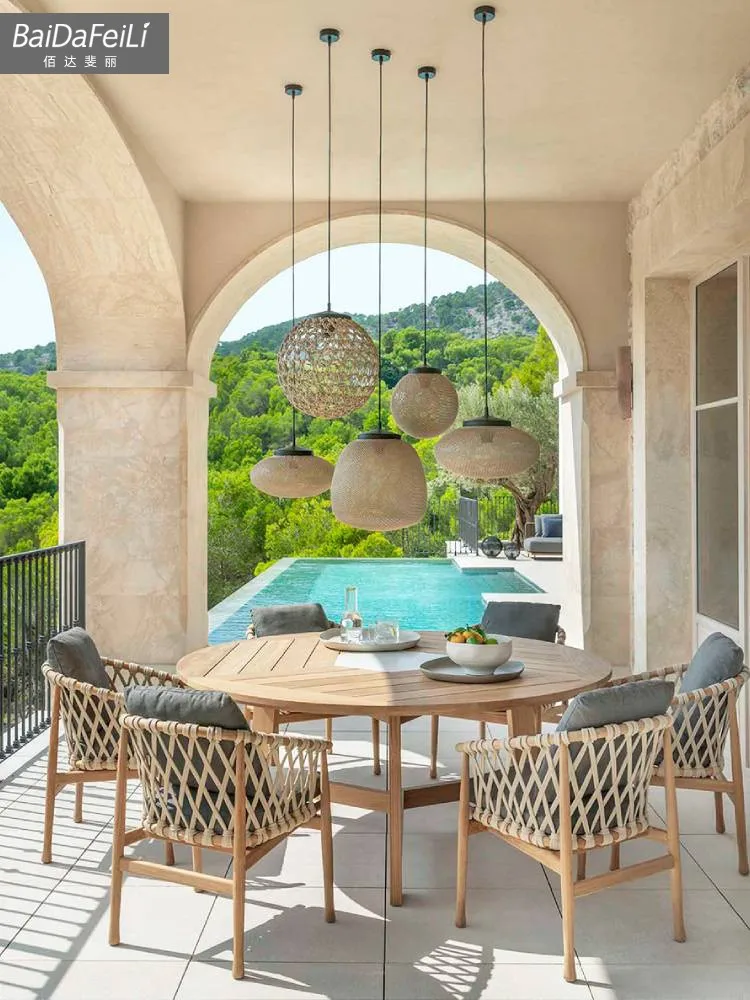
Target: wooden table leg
point(395, 811)
point(524, 720)
point(265, 720)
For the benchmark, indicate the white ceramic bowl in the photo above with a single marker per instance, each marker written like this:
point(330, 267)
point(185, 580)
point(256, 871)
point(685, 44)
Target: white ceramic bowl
point(481, 659)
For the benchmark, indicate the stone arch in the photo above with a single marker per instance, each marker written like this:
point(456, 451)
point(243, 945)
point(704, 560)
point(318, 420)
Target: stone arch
point(503, 264)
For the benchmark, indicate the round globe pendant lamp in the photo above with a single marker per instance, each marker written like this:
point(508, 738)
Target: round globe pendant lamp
point(486, 447)
point(424, 403)
point(379, 483)
point(292, 472)
point(327, 364)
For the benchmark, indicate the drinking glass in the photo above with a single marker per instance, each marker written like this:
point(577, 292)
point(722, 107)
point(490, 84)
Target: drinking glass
point(387, 630)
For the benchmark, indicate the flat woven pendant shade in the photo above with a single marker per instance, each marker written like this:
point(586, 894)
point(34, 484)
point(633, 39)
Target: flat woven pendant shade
point(486, 449)
point(379, 484)
point(424, 403)
point(328, 365)
point(292, 473)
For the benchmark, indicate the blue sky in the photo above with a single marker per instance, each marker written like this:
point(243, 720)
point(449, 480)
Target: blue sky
point(26, 316)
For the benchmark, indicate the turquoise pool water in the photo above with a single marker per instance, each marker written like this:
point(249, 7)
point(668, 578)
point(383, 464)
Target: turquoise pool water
point(420, 593)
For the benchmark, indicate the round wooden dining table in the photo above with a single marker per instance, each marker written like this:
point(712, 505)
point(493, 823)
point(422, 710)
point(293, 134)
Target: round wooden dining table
point(292, 678)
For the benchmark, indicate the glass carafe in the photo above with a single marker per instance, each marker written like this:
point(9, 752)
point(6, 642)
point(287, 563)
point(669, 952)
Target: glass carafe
point(351, 621)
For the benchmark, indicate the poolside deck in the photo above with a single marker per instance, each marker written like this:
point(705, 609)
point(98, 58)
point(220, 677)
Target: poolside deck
point(177, 944)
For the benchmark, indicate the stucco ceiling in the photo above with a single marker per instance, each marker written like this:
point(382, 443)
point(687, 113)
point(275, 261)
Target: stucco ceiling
point(586, 97)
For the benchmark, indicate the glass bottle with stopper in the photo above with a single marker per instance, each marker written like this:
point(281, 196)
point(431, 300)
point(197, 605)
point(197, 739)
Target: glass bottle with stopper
point(351, 622)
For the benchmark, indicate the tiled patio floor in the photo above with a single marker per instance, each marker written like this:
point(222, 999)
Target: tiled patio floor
point(176, 943)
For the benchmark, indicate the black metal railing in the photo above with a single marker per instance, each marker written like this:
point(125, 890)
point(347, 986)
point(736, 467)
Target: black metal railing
point(41, 593)
point(468, 523)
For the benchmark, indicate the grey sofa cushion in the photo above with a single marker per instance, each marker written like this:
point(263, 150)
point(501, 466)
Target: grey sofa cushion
point(282, 619)
point(552, 526)
point(543, 546)
point(622, 703)
point(717, 659)
point(523, 619)
point(538, 525)
point(74, 654)
point(198, 708)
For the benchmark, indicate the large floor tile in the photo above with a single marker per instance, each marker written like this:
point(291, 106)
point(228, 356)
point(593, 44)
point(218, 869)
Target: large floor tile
point(288, 925)
point(667, 982)
point(450, 976)
point(696, 808)
point(28, 978)
point(283, 981)
point(740, 900)
point(430, 862)
point(429, 820)
point(716, 854)
point(157, 924)
point(632, 927)
point(358, 861)
point(513, 926)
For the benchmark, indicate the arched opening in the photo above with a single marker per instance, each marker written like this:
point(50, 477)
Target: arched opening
point(503, 265)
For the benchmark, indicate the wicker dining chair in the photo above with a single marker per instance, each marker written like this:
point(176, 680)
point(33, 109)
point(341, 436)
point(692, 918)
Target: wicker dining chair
point(190, 777)
point(703, 719)
point(556, 796)
point(90, 718)
point(523, 620)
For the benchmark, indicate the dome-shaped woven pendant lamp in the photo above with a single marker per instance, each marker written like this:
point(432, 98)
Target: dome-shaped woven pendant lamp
point(424, 403)
point(327, 364)
point(379, 483)
point(292, 472)
point(487, 447)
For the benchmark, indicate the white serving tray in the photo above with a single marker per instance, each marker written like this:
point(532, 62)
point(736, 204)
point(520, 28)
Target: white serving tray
point(442, 668)
point(332, 639)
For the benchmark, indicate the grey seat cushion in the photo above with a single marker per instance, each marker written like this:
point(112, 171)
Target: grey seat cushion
point(73, 653)
point(198, 708)
point(523, 619)
point(543, 546)
point(282, 619)
point(717, 659)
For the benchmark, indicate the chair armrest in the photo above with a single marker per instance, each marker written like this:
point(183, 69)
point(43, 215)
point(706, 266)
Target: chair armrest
point(124, 673)
point(529, 529)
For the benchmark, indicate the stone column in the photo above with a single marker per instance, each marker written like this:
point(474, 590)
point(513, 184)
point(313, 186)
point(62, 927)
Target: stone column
point(662, 486)
point(131, 486)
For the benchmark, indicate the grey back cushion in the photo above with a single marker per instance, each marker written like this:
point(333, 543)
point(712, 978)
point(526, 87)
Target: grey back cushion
point(717, 659)
point(622, 703)
point(74, 654)
point(198, 708)
point(522, 619)
point(552, 526)
point(282, 619)
point(538, 525)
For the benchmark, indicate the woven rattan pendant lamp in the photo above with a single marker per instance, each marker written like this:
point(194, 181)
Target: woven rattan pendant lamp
point(425, 403)
point(292, 472)
point(327, 364)
point(487, 447)
point(379, 483)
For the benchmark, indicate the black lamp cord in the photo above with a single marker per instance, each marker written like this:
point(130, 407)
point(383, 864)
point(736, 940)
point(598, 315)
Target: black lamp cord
point(484, 223)
point(330, 155)
point(380, 238)
point(426, 121)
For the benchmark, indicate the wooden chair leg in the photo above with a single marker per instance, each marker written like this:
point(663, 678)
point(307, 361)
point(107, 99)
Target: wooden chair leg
point(197, 862)
point(434, 741)
point(673, 840)
point(566, 870)
point(462, 865)
point(78, 810)
point(614, 858)
point(738, 794)
point(329, 729)
point(49, 798)
point(169, 853)
point(239, 847)
point(719, 808)
point(118, 841)
point(375, 746)
point(581, 863)
point(326, 840)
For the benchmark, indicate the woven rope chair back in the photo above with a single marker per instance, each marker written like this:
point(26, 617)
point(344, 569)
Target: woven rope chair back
point(90, 718)
point(189, 781)
point(701, 720)
point(517, 782)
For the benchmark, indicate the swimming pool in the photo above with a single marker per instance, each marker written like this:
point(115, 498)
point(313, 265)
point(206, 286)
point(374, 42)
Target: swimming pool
point(420, 593)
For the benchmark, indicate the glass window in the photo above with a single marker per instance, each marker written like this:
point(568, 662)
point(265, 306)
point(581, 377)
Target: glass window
point(716, 337)
point(717, 510)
